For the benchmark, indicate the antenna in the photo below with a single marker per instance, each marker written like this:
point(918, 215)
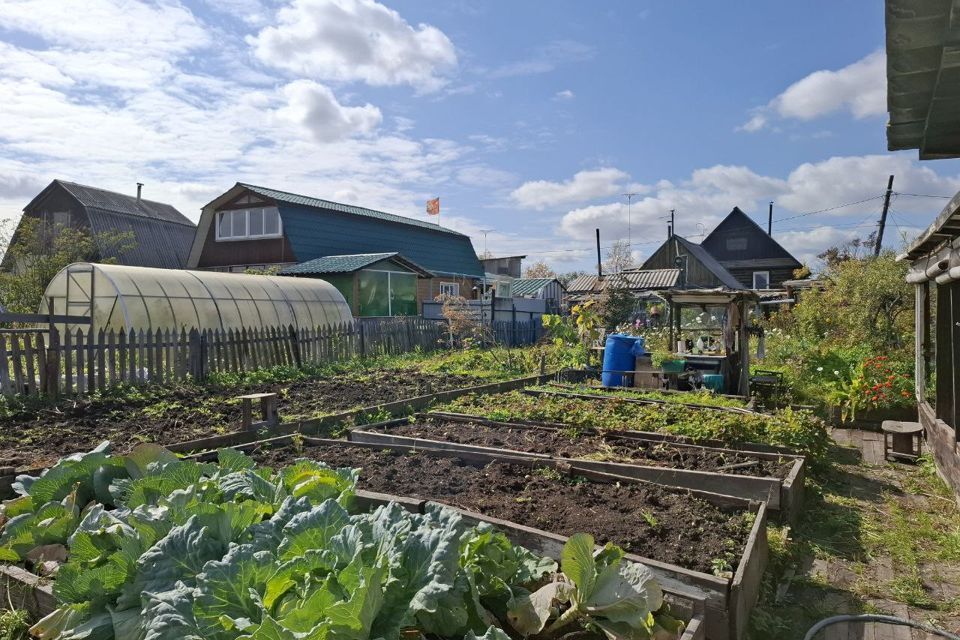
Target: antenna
point(485, 232)
point(629, 197)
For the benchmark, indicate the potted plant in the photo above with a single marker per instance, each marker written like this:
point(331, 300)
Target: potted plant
point(667, 361)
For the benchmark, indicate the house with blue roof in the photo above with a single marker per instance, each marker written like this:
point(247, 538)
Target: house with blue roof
point(257, 227)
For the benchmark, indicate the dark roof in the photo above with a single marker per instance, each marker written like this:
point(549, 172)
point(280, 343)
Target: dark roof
point(760, 246)
point(293, 198)
point(708, 261)
point(530, 286)
point(122, 203)
point(161, 235)
point(349, 264)
point(635, 280)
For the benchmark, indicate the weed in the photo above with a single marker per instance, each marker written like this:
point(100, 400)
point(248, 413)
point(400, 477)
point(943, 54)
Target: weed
point(650, 519)
point(14, 624)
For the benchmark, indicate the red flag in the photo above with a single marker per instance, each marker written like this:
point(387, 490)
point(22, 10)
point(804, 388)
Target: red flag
point(433, 207)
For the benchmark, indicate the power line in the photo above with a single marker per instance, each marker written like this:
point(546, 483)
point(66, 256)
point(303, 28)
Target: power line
point(921, 195)
point(839, 206)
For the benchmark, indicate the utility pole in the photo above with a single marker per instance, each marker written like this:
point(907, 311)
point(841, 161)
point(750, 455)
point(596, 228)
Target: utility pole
point(770, 220)
point(673, 222)
point(883, 217)
point(599, 261)
point(629, 197)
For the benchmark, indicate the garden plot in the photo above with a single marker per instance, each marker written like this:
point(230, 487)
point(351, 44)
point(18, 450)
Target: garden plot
point(714, 543)
point(36, 437)
point(773, 478)
point(695, 399)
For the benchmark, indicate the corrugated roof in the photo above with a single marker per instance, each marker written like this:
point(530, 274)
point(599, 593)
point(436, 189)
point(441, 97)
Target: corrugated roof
point(708, 261)
point(293, 198)
point(156, 243)
point(349, 264)
point(528, 286)
point(636, 280)
point(123, 204)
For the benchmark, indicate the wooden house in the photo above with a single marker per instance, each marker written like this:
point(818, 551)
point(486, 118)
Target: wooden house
point(549, 289)
point(251, 226)
point(374, 284)
point(160, 236)
point(749, 253)
point(697, 268)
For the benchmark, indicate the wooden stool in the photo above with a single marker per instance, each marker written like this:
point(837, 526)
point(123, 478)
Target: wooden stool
point(901, 440)
point(268, 410)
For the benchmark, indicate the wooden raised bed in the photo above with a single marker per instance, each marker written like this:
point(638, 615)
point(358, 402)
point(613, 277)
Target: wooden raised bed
point(784, 495)
point(8, 475)
point(728, 600)
point(34, 594)
point(620, 393)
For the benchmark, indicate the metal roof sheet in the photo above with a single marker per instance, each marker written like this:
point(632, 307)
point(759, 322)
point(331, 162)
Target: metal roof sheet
point(349, 264)
point(156, 243)
point(945, 228)
point(293, 198)
point(124, 204)
point(529, 286)
point(635, 280)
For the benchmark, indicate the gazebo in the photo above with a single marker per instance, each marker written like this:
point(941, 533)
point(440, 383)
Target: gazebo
point(728, 356)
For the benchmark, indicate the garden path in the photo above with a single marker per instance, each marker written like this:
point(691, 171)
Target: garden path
point(876, 537)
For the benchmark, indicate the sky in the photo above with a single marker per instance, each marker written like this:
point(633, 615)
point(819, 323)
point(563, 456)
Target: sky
point(530, 120)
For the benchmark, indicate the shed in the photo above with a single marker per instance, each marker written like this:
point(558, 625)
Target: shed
point(699, 268)
point(749, 253)
point(374, 284)
point(125, 298)
point(637, 281)
point(549, 289)
point(161, 235)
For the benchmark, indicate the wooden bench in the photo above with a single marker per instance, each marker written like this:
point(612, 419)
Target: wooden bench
point(902, 440)
point(268, 410)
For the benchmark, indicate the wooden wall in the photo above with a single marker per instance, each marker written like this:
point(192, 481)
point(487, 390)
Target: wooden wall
point(697, 275)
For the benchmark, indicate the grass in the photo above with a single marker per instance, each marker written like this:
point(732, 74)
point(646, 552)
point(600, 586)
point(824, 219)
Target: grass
point(871, 538)
point(14, 624)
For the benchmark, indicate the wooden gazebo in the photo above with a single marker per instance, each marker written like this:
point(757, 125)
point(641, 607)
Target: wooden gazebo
point(734, 360)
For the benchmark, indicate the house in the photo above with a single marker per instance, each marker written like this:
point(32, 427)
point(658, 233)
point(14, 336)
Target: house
point(549, 289)
point(251, 226)
point(161, 235)
point(697, 268)
point(921, 80)
point(503, 266)
point(374, 284)
point(749, 253)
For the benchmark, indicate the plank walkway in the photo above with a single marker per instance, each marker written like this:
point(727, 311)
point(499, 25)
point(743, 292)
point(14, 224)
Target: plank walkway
point(870, 445)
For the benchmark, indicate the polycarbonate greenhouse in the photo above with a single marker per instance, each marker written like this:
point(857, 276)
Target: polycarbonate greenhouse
point(125, 298)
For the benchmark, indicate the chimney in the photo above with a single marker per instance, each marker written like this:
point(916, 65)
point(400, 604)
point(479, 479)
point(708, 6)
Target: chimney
point(139, 190)
point(770, 220)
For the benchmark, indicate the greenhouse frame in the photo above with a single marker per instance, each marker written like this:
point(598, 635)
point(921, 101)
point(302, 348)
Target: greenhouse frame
point(140, 298)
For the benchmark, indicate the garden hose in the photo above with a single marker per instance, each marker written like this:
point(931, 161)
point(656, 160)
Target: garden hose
point(877, 618)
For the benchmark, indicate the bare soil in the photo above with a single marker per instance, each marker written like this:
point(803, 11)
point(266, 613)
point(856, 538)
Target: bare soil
point(572, 444)
point(668, 525)
point(38, 436)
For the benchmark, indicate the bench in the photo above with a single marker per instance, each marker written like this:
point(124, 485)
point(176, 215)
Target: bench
point(268, 410)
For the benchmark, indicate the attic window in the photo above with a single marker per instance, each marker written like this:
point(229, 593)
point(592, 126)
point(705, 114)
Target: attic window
point(248, 224)
point(736, 244)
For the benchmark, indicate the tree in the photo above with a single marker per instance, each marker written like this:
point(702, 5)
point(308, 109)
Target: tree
point(485, 255)
point(619, 258)
point(539, 269)
point(36, 251)
point(569, 276)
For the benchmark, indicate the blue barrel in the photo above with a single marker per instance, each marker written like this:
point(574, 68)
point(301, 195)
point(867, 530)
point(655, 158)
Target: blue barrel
point(713, 381)
point(619, 354)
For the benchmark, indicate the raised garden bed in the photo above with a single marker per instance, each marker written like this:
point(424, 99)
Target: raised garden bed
point(684, 536)
point(695, 400)
point(773, 478)
point(33, 453)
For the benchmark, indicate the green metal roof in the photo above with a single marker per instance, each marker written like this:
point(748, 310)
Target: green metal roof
point(528, 286)
point(293, 198)
point(349, 264)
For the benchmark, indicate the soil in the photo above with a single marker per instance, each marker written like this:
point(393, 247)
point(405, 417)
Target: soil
point(668, 525)
point(39, 436)
point(598, 447)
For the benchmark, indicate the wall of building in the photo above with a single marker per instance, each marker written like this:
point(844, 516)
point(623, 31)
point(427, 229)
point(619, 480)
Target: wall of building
point(429, 288)
point(696, 274)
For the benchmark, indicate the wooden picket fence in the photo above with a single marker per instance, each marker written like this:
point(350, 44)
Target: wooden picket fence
point(82, 362)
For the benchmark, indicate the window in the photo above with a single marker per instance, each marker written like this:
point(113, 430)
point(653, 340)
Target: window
point(450, 288)
point(761, 279)
point(242, 224)
point(736, 244)
point(387, 293)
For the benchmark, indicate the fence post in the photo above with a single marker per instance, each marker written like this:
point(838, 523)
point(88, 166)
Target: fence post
point(295, 345)
point(196, 355)
point(363, 341)
point(53, 362)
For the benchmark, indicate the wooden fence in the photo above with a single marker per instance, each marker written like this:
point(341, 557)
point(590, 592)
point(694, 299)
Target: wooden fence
point(81, 362)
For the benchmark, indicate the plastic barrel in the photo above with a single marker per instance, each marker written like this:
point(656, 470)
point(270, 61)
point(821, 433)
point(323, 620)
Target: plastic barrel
point(713, 381)
point(619, 354)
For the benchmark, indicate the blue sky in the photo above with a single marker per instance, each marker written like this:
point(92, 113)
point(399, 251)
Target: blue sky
point(529, 120)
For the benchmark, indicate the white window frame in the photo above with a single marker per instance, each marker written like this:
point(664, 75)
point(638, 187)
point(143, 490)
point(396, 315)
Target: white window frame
point(455, 286)
point(246, 224)
point(765, 273)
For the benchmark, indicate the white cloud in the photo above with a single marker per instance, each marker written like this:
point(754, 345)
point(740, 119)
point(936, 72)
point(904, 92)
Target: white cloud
point(859, 88)
point(484, 176)
point(314, 106)
point(351, 40)
point(564, 95)
point(545, 59)
point(584, 186)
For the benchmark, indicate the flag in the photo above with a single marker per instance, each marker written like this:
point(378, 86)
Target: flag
point(433, 207)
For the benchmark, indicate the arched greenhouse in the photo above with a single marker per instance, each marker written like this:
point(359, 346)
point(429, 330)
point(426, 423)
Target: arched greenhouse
point(125, 298)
